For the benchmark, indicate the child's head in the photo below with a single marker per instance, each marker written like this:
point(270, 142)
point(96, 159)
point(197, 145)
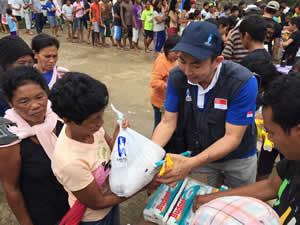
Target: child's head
point(252, 29)
point(9, 11)
point(68, 2)
point(294, 24)
point(80, 101)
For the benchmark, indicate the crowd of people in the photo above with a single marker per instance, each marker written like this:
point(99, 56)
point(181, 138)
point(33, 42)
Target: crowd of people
point(216, 71)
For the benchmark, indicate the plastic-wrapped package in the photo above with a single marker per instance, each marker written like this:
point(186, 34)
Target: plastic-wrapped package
point(163, 200)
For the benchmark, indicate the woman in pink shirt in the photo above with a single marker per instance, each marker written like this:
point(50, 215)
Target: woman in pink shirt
point(78, 24)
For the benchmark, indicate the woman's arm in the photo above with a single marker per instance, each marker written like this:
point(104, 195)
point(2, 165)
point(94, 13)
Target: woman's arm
point(159, 75)
point(10, 166)
point(160, 19)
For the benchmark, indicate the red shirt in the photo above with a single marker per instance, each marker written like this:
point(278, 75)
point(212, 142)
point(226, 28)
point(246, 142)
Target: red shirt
point(96, 8)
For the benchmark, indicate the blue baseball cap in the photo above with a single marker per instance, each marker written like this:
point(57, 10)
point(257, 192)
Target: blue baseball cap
point(200, 40)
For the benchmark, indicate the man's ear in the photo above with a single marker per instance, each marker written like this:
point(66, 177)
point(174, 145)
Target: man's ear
point(219, 60)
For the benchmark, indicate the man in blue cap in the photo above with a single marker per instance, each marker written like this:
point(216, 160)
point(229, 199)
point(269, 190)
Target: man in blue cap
point(209, 110)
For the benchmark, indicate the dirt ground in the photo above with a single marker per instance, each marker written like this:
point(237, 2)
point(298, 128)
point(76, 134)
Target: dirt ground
point(127, 75)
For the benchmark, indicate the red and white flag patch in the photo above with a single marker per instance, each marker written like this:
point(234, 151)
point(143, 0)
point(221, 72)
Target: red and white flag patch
point(249, 114)
point(220, 103)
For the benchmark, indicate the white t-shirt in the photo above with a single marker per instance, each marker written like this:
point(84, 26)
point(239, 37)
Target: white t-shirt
point(203, 13)
point(15, 4)
point(68, 11)
point(158, 26)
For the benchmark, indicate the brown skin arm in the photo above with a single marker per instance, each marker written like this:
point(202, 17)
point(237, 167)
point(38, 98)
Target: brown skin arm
point(10, 166)
point(264, 190)
point(276, 46)
point(93, 198)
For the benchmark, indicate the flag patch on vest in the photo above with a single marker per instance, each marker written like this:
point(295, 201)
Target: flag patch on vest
point(250, 114)
point(220, 103)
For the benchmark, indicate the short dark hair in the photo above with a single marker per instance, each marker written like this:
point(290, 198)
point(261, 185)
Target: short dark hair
point(226, 7)
point(19, 76)
point(76, 96)
point(296, 21)
point(265, 70)
point(283, 97)
point(255, 26)
point(212, 21)
point(8, 11)
point(170, 43)
point(271, 11)
point(205, 4)
point(235, 8)
point(42, 41)
point(224, 21)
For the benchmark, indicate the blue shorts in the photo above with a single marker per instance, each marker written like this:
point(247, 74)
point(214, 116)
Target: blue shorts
point(148, 34)
point(52, 21)
point(117, 33)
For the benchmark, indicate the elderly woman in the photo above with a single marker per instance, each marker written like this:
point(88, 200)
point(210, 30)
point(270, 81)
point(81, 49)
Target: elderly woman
point(14, 52)
point(31, 189)
point(160, 73)
point(45, 48)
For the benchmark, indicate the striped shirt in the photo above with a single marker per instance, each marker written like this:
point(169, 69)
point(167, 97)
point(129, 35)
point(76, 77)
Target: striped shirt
point(234, 50)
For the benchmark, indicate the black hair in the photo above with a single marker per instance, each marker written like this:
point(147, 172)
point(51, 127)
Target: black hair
point(233, 20)
point(170, 43)
point(235, 8)
point(296, 66)
point(265, 70)
point(173, 5)
point(205, 4)
point(271, 11)
point(19, 76)
point(283, 97)
point(8, 11)
point(296, 21)
point(191, 16)
point(226, 7)
point(76, 96)
point(156, 4)
point(283, 1)
point(42, 41)
point(212, 21)
point(224, 21)
point(197, 13)
point(255, 26)
point(187, 5)
point(242, 3)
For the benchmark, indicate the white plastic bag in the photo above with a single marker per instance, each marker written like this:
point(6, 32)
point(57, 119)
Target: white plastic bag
point(132, 162)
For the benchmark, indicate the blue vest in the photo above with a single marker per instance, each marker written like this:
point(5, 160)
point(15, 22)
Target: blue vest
point(197, 130)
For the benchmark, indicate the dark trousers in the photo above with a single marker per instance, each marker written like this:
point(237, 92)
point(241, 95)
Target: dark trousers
point(157, 116)
point(39, 22)
point(160, 38)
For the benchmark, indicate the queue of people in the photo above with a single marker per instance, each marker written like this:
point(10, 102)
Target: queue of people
point(205, 97)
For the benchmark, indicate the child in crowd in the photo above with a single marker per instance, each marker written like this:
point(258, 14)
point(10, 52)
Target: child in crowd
point(83, 147)
point(12, 22)
point(159, 19)
point(292, 44)
point(67, 12)
point(147, 22)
